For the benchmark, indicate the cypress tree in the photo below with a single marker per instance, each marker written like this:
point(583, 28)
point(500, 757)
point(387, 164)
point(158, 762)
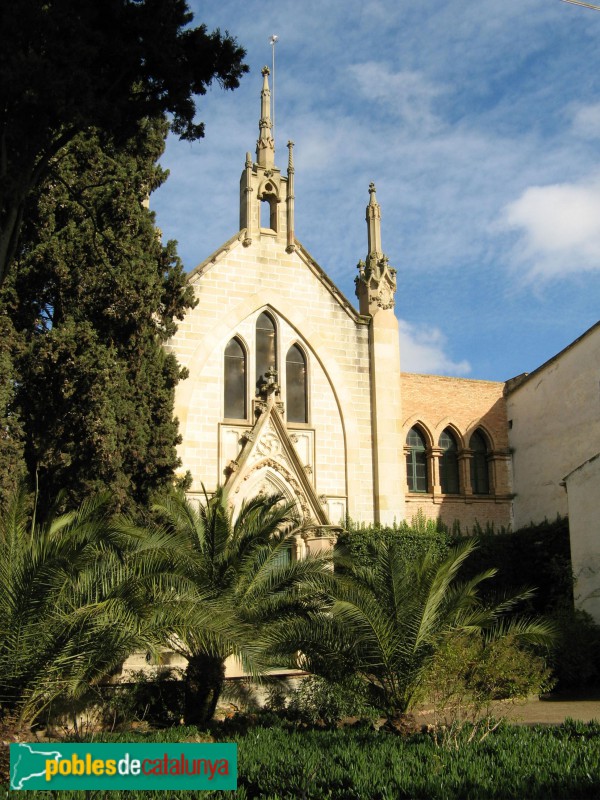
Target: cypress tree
point(70, 65)
point(95, 297)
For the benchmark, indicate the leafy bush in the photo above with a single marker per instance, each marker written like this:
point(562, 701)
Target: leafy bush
point(278, 694)
point(537, 555)
point(156, 699)
point(391, 615)
point(468, 674)
point(576, 658)
point(317, 700)
point(412, 540)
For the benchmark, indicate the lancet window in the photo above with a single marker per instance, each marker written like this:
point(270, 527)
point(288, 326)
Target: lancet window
point(266, 347)
point(416, 461)
point(235, 380)
point(480, 476)
point(296, 385)
point(449, 463)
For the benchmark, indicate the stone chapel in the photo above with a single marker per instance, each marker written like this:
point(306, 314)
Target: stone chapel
point(293, 389)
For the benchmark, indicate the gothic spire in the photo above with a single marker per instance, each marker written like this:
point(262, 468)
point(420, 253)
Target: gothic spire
point(265, 146)
point(374, 223)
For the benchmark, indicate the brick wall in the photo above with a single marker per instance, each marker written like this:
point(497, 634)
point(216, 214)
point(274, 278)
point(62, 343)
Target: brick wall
point(435, 403)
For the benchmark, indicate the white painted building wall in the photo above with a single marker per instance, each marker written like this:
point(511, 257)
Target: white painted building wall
point(583, 487)
point(554, 427)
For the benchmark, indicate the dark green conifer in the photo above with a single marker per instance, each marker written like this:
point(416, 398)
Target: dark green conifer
point(95, 297)
point(70, 65)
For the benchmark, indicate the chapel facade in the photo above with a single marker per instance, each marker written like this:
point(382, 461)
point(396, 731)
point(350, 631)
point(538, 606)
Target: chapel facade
point(292, 389)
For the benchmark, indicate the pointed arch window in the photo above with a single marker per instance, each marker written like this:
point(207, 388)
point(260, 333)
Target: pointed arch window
point(235, 380)
point(266, 347)
point(416, 461)
point(449, 463)
point(296, 385)
point(480, 476)
point(268, 213)
point(268, 207)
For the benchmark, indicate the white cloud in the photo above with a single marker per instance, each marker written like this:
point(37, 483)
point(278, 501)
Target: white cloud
point(422, 350)
point(456, 110)
point(586, 121)
point(559, 228)
point(406, 94)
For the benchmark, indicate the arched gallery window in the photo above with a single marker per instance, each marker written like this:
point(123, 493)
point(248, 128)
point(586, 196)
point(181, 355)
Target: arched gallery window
point(235, 380)
point(416, 462)
point(480, 477)
point(295, 385)
point(266, 347)
point(449, 463)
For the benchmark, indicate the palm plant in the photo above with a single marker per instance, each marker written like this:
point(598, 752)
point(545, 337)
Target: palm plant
point(389, 619)
point(237, 578)
point(76, 599)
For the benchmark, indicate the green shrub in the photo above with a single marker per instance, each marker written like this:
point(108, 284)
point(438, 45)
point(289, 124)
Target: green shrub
point(278, 693)
point(467, 675)
point(155, 699)
point(317, 700)
point(537, 555)
point(576, 658)
point(414, 540)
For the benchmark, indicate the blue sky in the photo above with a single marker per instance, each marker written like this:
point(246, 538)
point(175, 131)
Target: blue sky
point(478, 121)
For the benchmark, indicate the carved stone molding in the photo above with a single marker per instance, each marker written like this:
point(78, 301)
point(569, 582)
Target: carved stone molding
point(375, 284)
point(232, 467)
point(269, 445)
point(289, 477)
point(269, 384)
point(259, 407)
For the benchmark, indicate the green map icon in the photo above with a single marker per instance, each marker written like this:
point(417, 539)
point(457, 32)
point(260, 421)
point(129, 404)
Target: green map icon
point(29, 762)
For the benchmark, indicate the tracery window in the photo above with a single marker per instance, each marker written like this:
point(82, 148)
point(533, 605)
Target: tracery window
point(449, 463)
point(296, 385)
point(266, 347)
point(416, 462)
point(480, 476)
point(235, 380)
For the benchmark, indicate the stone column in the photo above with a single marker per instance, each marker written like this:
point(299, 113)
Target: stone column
point(435, 454)
point(290, 200)
point(464, 469)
